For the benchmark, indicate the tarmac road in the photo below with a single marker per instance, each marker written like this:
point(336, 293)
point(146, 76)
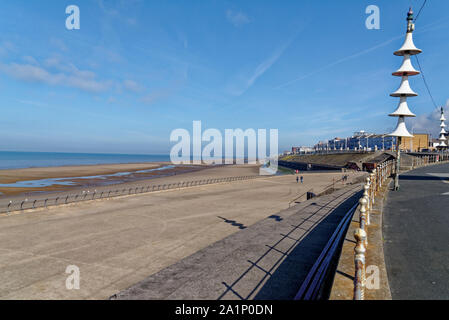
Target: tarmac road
point(416, 232)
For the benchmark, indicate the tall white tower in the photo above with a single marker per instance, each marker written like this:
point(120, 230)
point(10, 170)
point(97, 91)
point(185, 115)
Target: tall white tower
point(406, 70)
point(443, 132)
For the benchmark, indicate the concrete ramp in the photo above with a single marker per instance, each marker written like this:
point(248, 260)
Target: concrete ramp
point(268, 260)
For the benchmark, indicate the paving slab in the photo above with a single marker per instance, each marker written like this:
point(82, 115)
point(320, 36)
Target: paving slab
point(268, 260)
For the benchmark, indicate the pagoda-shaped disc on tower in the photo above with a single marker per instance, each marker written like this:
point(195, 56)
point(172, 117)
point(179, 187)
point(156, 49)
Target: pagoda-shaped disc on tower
point(406, 68)
point(402, 109)
point(409, 47)
point(404, 90)
point(401, 129)
point(442, 138)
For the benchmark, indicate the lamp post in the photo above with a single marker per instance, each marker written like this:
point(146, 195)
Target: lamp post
point(407, 50)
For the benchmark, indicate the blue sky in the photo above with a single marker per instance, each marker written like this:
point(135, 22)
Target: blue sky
point(138, 69)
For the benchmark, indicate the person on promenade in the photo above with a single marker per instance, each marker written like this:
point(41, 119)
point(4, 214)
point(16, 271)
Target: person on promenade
point(302, 179)
point(297, 179)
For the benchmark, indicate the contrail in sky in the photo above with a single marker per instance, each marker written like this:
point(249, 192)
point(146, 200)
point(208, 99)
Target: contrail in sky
point(424, 29)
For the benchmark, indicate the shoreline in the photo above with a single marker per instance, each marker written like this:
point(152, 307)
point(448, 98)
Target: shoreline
point(64, 178)
point(70, 171)
point(17, 160)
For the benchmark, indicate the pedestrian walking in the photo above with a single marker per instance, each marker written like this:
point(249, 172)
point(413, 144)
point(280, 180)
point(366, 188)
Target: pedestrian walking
point(297, 179)
point(302, 179)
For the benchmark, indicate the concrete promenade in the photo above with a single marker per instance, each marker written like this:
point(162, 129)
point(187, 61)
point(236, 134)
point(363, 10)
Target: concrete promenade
point(268, 260)
point(118, 242)
point(416, 232)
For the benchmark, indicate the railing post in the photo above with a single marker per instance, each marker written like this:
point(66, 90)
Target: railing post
point(359, 263)
point(363, 218)
point(366, 190)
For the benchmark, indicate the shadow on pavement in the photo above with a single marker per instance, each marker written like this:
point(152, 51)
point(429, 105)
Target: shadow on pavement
point(420, 178)
point(285, 273)
point(233, 223)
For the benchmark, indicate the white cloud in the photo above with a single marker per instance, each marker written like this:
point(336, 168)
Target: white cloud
point(132, 86)
point(33, 103)
point(237, 18)
point(6, 47)
point(429, 122)
point(75, 78)
point(59, 44)
point(156, 95)
point(30, 60)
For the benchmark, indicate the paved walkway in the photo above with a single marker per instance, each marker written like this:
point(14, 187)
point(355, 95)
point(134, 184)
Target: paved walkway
point(416, 232)
point(120, 241)
point(268, 260)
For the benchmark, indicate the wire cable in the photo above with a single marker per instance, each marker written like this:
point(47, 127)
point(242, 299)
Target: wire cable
point(419, 65)
point(425, 82)
point(419, 12)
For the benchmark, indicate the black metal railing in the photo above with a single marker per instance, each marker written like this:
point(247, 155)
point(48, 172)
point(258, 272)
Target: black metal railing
point(27, 204)
point(312, 285)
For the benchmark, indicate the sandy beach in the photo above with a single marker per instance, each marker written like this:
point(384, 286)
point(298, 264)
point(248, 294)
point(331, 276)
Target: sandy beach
point(119, 241)
point(86, 175)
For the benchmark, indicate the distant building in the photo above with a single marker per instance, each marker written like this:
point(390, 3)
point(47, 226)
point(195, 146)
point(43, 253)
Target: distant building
point(363, 140)
point(302, 150)
point(419, 142)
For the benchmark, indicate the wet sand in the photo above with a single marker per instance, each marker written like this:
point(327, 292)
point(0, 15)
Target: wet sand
point(80, 175)
point(14, 175)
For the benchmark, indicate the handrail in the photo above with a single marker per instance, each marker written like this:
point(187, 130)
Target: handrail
point(311, 286)
point(71, 198)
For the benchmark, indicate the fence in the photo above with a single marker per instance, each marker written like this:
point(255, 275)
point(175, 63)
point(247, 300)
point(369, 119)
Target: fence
point(420, 161)
point(310, 288)
point(27, 204)
point(372, 187)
